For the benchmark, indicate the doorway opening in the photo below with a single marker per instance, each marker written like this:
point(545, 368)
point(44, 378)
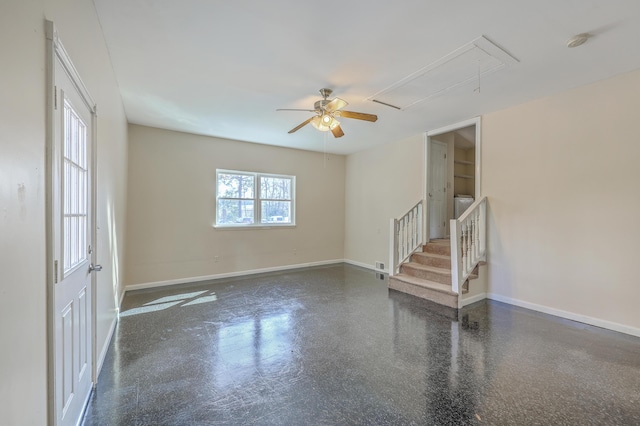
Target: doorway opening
point(452, 181)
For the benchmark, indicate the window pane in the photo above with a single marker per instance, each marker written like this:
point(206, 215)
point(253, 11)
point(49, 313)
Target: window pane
point(235, 212)
point(275, 188)
point(235, 186)
point(276, 211)
point(75, 188)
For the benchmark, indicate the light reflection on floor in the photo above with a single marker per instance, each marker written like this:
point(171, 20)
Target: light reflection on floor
point(332, 345)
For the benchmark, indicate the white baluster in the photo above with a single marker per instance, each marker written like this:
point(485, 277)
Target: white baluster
point(416, 222)
point(477, 235)
point(406, 237)
point(465, 256)
point(474, 253)
point(399, 238)
point(411, 222)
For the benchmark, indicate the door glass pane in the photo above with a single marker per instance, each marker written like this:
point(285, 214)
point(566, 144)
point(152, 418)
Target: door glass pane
point(74, 188)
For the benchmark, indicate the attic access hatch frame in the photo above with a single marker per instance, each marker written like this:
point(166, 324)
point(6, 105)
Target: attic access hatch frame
point(464, 65)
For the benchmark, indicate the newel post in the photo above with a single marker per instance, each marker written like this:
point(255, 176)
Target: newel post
point(393, 247)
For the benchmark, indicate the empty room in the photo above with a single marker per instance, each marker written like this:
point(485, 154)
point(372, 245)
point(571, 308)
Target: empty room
point(338, 213)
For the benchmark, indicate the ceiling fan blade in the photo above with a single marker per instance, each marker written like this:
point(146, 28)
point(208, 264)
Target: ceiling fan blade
point(357, 115)
point(335, 105)
point(337, 131)
point(301, 125)
point(287, 109)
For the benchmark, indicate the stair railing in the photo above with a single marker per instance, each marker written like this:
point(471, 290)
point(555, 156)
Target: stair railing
point(468, 242)
point(405, 236)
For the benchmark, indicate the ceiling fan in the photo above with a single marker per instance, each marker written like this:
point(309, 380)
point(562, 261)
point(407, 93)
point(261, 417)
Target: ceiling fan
point(327, 111)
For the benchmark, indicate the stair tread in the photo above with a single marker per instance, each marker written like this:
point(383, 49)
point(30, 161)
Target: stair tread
point(432, 285)
point(434, 255)
point(422, 267)
point(443, 241)
point(435, 269)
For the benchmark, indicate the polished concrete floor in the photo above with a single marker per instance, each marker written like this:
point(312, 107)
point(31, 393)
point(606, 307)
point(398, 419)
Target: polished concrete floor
point(333, 346)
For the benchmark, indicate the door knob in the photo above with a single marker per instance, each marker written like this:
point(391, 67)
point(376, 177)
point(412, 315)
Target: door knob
point(96, 268)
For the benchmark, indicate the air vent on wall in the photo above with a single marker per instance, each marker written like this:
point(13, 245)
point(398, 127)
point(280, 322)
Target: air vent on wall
point(463, 66)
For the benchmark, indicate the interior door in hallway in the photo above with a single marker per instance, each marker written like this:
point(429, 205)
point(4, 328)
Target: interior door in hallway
point(71, 207)
point(437, 189)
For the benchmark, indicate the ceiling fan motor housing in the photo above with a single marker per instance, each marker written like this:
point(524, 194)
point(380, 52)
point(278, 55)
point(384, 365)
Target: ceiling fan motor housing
point(319, 105)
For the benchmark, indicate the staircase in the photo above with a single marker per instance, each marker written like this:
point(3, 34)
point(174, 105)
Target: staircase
point(427, 274)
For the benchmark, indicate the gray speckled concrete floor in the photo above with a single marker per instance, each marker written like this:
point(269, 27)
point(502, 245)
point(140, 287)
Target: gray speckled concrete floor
point(333, 346)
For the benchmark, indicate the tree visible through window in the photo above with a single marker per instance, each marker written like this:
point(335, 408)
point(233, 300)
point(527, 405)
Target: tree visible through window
point(247, 198)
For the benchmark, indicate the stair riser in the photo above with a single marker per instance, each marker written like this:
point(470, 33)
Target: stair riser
point(424, 293)
point(432, 261)
point(437, 249)
point(427, 275)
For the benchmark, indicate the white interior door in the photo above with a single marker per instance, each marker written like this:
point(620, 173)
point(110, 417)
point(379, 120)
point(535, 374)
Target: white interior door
point(72, 233)
point(437, 189)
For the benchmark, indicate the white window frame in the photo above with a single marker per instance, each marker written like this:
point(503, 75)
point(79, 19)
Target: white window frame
point(257, 207)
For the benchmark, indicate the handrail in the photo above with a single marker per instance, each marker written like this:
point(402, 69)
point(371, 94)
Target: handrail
point(405, 236)
point(468, 242)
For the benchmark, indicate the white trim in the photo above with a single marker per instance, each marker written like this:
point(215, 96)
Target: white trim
point(455, 126)
point(609, 325)
point(471, 299)
point(67, 64)
point(425, 188)
point(154, 284)
point(120, 302)
point(251, 227)
point(103, 353)
point(478, 179)
point(477, 121)
point(366, 266)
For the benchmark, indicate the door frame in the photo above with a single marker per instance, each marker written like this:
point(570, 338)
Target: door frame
point(55, 51)
point(477, 121)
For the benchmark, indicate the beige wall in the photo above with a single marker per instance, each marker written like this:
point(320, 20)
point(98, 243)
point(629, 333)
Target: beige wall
point(23, 360)
point(562, 176)
point(381, 183)
point(171, 209)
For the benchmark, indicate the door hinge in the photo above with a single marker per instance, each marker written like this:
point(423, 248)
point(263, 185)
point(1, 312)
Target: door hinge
point(55, 271)
point(55, 97)
point(445, 156)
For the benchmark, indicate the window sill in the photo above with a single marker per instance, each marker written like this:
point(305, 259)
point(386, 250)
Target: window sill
point(252, 227)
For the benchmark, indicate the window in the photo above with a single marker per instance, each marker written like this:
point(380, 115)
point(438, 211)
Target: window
point(74, 207)
point(254, 199)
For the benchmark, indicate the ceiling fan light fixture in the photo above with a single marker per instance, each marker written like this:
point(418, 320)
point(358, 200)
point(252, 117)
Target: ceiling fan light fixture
point(324, 122)
point(326, 112)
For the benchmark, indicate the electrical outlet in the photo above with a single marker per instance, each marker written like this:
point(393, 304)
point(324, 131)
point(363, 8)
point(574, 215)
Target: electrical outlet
point(380, 265)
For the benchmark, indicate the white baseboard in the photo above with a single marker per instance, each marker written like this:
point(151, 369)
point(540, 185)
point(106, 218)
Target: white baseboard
point(365, 265)
point(609, 325)
point(105, 347)
point(472, 299)
point(228, 275)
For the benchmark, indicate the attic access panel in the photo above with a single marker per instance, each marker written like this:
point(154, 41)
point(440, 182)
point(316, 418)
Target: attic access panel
point(463, 66)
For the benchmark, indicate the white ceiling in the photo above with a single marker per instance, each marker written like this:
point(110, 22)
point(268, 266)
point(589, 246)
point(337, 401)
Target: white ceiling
point(222, 67)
